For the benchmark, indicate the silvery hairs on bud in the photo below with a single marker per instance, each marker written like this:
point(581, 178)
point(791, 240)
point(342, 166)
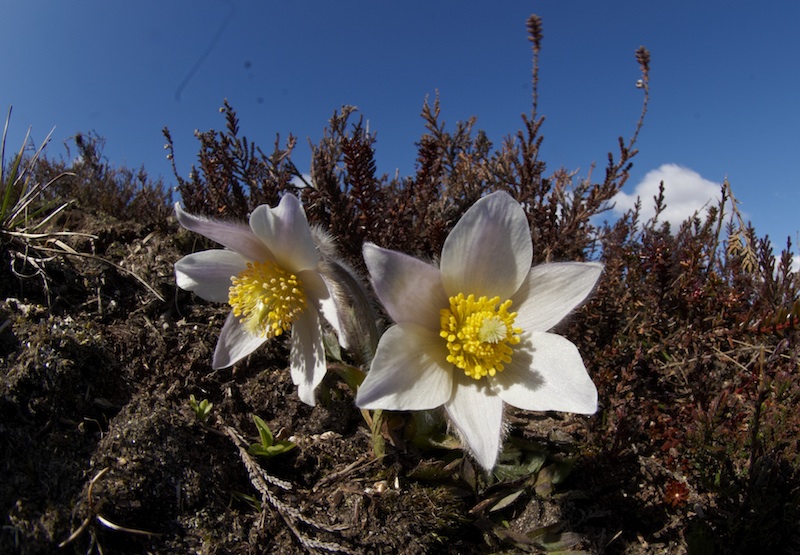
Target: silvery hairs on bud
point(357, 317)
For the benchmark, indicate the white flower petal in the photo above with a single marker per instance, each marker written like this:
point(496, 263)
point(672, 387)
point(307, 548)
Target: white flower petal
point(319, 295)
point(285, 229)
point(489, 251)
point(234, 343)
point(409, 372)
point(208, 273)
point(409, 289)
point(552, 291)
point(546, 373)
point(307, 355)
point(477, 414)
point(237, 237)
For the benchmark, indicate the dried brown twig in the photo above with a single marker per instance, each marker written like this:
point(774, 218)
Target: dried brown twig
point(94, 515)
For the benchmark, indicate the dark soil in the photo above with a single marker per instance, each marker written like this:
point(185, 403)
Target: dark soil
point(96, 433)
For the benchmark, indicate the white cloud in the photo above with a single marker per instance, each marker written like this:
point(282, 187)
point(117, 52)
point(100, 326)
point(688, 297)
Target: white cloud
point(300, 183)
point(685, 192)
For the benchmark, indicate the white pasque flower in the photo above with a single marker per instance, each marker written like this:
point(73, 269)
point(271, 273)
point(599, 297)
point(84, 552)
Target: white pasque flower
point(269, 275)
point(472, 334)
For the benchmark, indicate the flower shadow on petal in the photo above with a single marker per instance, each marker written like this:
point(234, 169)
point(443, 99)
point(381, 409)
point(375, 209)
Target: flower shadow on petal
point(307, 356)
point(519, 373)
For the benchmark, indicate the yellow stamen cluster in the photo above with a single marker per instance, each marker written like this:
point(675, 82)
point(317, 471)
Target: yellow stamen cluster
point(266, 298)
point(479, 333)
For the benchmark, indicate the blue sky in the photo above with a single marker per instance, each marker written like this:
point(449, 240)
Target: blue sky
point(724, 82)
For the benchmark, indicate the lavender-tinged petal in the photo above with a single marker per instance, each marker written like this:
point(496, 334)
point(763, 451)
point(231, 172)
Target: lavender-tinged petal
point(208, 273)
point(285, 229)
point(409, 289)
point(234, 343)
point(307, 355)
point(319, 295)
point(236, 237)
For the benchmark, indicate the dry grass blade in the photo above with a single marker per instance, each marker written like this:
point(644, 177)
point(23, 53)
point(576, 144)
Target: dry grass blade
point(94, 514)
point(18, 193)
point(21, 209)
point(64, 249)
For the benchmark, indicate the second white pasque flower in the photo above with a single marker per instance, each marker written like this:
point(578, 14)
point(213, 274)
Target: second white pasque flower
point(473, 333)
point(269, 273)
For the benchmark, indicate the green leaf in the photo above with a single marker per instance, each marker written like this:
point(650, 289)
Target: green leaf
point(506, 501)
point(544, 481)
point(278, 448)
point(268, 446)
point(352, 376)
point(444, 441)
point(201, 409)
point(560, 542)
point(530, 464)
point(252, 500)
point(263, 431)
point(552, 475)
point(332, 348)
point(556, 542)
point(563, 469)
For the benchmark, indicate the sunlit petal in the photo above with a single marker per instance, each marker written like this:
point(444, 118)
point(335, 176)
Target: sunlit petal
point(285, 229)
point(237, 237)
point(234, 343)
point(208, 273)
point(307, 355)
point(477, 414)
point(552, 291)
point(409, 372)
point(489, 251)
point(547, 373)
point(409, 289)
point(318, 293)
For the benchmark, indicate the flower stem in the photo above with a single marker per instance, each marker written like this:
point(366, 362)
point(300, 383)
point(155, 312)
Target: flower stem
point(378, 442)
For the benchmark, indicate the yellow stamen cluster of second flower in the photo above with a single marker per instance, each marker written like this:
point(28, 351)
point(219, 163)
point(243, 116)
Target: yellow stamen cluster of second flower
point(479, 334)
point(266, 298)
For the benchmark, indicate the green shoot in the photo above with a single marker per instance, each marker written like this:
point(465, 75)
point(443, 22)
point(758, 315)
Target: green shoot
point(268, 447)
point(202, 410)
